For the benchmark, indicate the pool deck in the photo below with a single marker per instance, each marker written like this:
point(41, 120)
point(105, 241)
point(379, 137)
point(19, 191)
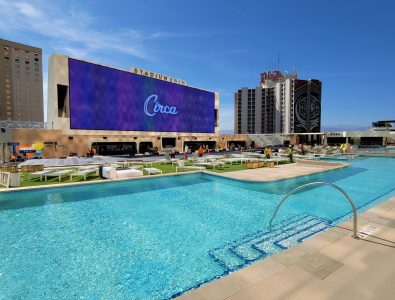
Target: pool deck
point(286, 171)
point(329, 265)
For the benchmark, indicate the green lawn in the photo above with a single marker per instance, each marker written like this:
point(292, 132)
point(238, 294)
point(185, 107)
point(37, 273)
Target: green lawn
point(165, 168)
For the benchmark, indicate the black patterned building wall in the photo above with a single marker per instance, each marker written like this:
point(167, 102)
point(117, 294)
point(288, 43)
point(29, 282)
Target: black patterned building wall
point(307, 106)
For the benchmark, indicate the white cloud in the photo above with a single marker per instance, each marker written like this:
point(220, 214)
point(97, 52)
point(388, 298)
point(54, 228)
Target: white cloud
point(71, 30)
point(27, 10)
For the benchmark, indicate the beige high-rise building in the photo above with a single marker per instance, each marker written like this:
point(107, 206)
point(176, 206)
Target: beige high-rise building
point(21, 82)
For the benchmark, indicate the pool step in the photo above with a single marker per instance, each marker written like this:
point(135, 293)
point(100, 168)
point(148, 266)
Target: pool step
point(241, 252)
point(246, 248)
point(267, 243)
point(291, 240)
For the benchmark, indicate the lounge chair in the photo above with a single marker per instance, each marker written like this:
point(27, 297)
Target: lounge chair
point(39, 174)
point(59, 174)
point(84, 172)
point(152, 171)
point(212, 164)
point(181, 165)
point(166, 160)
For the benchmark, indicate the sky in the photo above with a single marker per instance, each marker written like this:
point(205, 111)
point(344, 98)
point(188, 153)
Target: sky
point(224, 45)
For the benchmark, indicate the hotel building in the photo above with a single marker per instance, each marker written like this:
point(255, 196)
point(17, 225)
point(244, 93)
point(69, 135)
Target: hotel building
point(282, 103)
point(21, 84)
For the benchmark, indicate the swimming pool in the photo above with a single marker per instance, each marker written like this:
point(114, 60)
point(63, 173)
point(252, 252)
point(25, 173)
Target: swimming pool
point(377, 149)
point(157, 238)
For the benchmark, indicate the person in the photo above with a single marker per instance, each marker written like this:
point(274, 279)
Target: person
point(267, 152)
point(91, 152)
point(290, 152)
point(172, 152)
point(186, 152)
point(200, 151)
point(341, 148)
point(347, 148)
point(207, 150)
point(303, 149)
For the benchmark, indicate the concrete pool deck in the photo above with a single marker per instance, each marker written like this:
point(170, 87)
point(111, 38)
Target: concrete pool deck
point(329, 265)
point(286, 171)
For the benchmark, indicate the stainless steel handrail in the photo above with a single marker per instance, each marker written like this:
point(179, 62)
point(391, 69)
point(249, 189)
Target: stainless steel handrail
point(355, 236)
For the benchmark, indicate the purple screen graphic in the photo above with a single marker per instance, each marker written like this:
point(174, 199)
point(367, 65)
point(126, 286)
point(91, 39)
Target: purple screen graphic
point(103, 98)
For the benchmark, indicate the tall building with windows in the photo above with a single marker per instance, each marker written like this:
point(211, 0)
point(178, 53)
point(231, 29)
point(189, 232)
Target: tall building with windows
point(21, 90)
point(282, 103)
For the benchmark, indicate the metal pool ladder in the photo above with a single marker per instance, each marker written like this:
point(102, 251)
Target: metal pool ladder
point(355, 236)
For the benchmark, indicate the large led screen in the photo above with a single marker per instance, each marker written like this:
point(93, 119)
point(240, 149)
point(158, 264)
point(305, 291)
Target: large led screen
point(103, 98)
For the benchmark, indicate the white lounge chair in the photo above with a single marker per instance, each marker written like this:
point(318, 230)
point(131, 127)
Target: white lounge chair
point(181, 165)
point(84, 172)
point(152, 171)
point(59, 174)
point(39, 174)
point(166, 160)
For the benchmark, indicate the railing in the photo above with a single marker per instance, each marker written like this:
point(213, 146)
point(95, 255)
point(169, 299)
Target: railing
point(355, 236)
point(5, 179)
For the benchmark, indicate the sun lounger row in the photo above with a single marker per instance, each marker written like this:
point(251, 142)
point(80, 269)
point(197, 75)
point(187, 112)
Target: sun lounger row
point(45, 174)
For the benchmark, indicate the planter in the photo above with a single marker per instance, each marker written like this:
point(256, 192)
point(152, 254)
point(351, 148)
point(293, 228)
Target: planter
point(38, 168)
point(11, 169)
point(261, 164)
point(270, 164)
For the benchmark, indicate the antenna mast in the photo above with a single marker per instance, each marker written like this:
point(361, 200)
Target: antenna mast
point(278, 61)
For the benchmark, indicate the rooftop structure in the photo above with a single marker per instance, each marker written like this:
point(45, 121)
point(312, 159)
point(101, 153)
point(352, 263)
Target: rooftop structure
point(386, 124)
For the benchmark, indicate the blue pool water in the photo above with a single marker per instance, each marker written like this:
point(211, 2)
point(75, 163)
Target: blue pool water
point(388, 149)
point(157, 238)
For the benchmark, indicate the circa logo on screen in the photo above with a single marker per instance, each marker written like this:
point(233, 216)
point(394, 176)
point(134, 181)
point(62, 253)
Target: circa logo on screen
point(152, 107)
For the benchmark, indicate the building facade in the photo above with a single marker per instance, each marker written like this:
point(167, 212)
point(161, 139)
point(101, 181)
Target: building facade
point(111, 108)
point(280, 104)
point(119, 112)
point(21, 82)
